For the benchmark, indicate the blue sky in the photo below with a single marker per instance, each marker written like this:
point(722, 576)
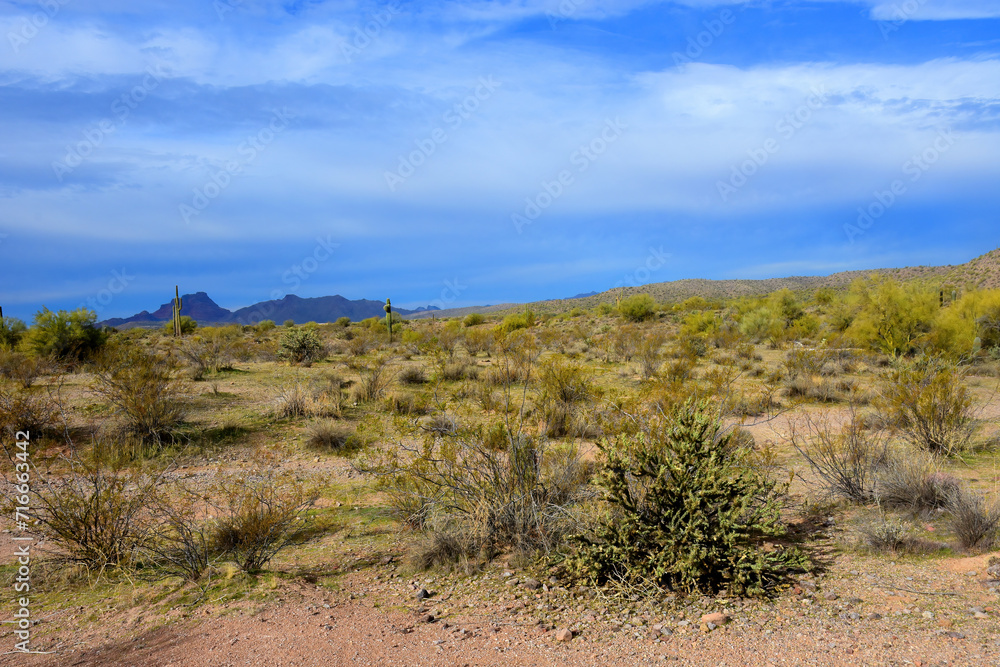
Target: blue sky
point(461, 153)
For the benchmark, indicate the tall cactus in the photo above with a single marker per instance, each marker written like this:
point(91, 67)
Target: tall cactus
point(177, 312)
point(388, 317)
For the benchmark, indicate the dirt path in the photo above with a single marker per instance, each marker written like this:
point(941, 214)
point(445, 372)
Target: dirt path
point(891, 616)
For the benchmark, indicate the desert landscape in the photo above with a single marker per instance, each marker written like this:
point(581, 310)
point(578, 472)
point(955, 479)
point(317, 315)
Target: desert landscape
point(796, 477)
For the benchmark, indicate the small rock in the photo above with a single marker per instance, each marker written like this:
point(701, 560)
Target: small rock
point(945, 623)
point(874, 617)
point(683, 624)
point(980, 614)
point(854, 602)
point(831, 596)
point(422, 594)
point(954, 635)
point(708, 627)
point(564, 635)
point(928, 614)
point(531, 584)
point(716, 618)
point(427, 618)
point(850, 615)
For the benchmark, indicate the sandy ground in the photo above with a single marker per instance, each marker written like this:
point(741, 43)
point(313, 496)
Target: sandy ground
point(935, 612)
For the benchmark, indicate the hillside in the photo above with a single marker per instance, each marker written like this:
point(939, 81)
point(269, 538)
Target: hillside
point(982, 272)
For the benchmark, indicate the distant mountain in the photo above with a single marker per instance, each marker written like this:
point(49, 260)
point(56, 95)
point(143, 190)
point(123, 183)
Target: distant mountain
point(200, 307)
point(584, 295)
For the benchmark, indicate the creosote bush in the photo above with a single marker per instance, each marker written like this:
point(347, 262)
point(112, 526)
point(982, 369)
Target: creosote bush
point(846, 461)
point(98, 516)
point(259, 514)
point(684, 513)
point(137, 384)
point(929, 406)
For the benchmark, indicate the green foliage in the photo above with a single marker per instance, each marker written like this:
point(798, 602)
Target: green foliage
point(188, 325)
point(975, 315)
point(891, 318)
point(264, 326)
point(637, 308)
point(604, 309)
point(473, 319)
point(65, 335)
point(258, 516)
point(300, 346)
point(137, 385)
point(11, 332)
point(96, 516)
point(761, 325)
point(288, 323)
point(928, 404)
point(516, 321)
point(343, 321)
point(685, 514)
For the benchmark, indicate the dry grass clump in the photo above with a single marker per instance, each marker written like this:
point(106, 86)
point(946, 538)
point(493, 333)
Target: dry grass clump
point(292, 401)
point(913, 481)
point(882, 533)
point(412, 375)
point(330, 436)
point(975, 521)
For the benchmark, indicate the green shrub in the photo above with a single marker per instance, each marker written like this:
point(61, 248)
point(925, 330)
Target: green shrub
point(264, 326)
point(188, 325)
point(137, 385)
point(473, 319)
point(685, 515)
point(637, 308)
point(96, 516)
point(258, 516)
point(11, 332)
point(343, 321)
point(66, 336)
point(300, 346)
point(930, 407)
point(288, 324)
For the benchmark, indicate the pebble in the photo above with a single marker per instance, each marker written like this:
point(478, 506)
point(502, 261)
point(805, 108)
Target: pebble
point(564, 635)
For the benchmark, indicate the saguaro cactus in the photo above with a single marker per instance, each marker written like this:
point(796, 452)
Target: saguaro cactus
point(388, 317)
point(177, 312)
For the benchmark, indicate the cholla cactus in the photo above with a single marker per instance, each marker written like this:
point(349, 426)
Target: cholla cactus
point(388, 317)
